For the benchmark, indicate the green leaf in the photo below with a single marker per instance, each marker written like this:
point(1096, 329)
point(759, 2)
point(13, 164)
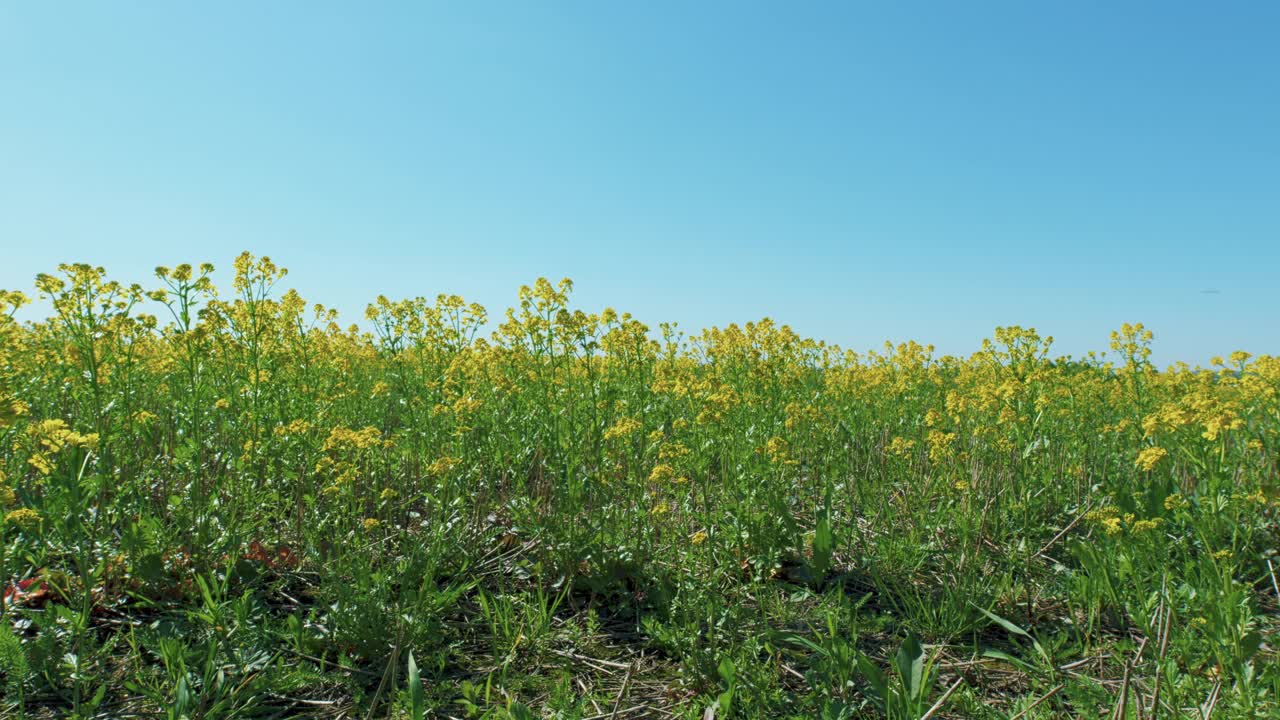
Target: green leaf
point(910, 662)
point(1016, 662)
point(796, 639)
point(727, 671)
point(1019, 631)
point(1002, 622)
point(418, 707)
point(879, 684)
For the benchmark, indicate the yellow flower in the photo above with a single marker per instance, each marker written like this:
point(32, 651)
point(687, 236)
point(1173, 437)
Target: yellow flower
point(672, 451)
point(23, 518)
point(901, 447)
point(624, 427)
point(1142, 526)
point(346, 438)
point(1108, 518)
point(661, 473)
point(698, 538)
point(8, 498)
point(779, 452)
point(1258, 497)
point(1175, 502)
point(443, 465)
point(41, 463)
point(56, 435)
point(295, 427)
point(371, 523)
point(940, 445)
point(222, 404)
point(1148, 458)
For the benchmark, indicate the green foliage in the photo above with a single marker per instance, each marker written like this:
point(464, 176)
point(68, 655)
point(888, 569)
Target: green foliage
point(14, 668)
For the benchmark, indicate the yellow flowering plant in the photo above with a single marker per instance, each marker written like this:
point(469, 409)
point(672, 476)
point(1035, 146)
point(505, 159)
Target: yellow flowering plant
point(706, 489)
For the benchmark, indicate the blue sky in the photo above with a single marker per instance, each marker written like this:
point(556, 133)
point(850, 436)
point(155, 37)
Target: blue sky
point(862, 171)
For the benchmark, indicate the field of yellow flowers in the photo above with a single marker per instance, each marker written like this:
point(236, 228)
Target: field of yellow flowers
point(232, 506)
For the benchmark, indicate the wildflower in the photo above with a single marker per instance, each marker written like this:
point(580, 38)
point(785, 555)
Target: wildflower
point(672, 451)
point(1175, 502)
point(699, 537)
point(41, 463)
point(624, 427)
point(443, 465)
point(8, 498)
point(1108, 518)
point(1142, 526)
point(1257, 496)
point(56, 435)
point(222, 404)
point(23, 518)
point(388, 494)
point(294, 428)
point(779, 452)
point(466, 405)
point(1148, 458)
point(940, 445)
point(960, 485)
point(371, 523)
point(661, 473)
point(901, 447)
point(346, 438)
point(1223, 555)
point(11, 410)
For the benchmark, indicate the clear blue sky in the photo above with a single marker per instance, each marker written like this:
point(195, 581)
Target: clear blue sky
point(862, 171)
